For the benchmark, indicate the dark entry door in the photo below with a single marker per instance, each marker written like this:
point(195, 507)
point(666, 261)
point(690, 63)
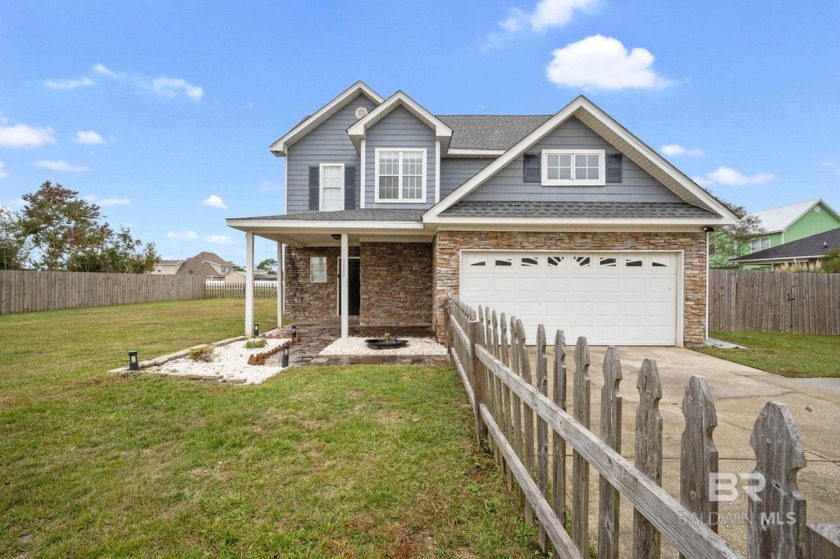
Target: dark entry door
point(354, 287)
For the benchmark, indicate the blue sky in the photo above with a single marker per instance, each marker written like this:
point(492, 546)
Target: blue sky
point(162, 112)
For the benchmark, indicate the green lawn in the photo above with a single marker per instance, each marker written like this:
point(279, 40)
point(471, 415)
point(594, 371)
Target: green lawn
point(364, 461)
point(791, 355)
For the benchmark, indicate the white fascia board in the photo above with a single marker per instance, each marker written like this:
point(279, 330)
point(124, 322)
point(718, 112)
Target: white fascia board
point(279, 147)
point(480, 153)
point(562, 222)
point(263, 224)
point(443, 133)
point(771, 260)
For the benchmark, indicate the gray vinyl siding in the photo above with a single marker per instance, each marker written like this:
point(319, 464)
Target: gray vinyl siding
point(399, 129)
point(455, 172)
point(328, 143)
point(636, 186)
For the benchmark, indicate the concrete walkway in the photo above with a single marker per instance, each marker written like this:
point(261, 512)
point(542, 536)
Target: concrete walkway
point(740, 393)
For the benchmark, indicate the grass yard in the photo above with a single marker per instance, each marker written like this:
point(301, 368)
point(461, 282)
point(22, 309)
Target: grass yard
point(790, 355)
point(363, 461)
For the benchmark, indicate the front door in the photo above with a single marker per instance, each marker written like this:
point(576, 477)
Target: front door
point(354, 287)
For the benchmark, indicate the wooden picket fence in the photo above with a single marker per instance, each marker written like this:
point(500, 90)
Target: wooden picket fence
point(222, 290)
point(774, 301)
point(31, 291)
point(515, 414)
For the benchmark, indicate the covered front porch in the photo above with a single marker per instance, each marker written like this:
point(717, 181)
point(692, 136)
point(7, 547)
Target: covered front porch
point(374, 266)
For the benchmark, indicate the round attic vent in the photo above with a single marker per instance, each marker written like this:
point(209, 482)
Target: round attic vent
point(361, 112)
point(816, 208)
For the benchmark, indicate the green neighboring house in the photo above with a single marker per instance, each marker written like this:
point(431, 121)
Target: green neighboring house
point(791, 223)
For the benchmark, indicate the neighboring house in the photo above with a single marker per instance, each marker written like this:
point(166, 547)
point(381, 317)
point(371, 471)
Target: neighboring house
point(807, 252)
point(167, 267)
point(791, 223)
point(567, 220)
point(207, 264)
point(238, 276)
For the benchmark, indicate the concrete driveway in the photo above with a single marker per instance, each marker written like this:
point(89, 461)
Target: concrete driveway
point(740, 393)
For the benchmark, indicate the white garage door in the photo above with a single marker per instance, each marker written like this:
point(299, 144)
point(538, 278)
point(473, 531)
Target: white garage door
point(611, 298)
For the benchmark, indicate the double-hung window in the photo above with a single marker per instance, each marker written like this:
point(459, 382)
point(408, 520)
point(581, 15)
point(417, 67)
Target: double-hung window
point(564, 167)
point(332, 187)
point(400, 175)
point(318, 269)
point(759, 243)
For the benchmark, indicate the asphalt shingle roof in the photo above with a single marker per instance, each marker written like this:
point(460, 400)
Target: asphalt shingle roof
point(575, 209)
point(366, 214)
point(815, 245)
point(490, 131)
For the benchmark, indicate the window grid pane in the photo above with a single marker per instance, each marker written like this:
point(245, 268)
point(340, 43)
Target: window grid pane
point(401, 175)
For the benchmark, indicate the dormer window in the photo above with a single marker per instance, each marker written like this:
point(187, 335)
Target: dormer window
point(581, 167)
point(400, 175)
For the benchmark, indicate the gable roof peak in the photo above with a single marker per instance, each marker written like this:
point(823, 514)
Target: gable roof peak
point(279, 147)
point(779, 219)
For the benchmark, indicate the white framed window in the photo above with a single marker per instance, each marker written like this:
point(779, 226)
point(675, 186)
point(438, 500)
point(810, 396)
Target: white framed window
point(759, 243)
point(579, 167)
point(332, 187)
point(400, 175)
point(318, 269)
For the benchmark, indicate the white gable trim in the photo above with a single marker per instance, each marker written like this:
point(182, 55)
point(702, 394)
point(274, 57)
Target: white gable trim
point(279, 147)
point(357, 131)
point(634, 148)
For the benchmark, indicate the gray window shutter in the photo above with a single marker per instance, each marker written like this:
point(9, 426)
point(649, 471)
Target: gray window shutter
point(314, 187)
point(349, 188)
point(614, 164)
point(531, 168)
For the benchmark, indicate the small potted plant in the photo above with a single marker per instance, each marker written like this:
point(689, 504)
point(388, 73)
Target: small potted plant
point(387, 341)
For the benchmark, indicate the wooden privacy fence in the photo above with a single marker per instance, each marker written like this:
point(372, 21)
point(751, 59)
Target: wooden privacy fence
point(221, 290)
point(30, 291)
point(774, 301)
point(515, 413)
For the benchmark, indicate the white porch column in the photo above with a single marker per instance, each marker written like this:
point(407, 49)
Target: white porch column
point(345, 286)
point(280, 294)
point(249, 284)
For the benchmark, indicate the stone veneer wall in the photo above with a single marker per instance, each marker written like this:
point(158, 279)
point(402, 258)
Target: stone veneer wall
point(448, 244)
point(312, 301)
point(396, 284)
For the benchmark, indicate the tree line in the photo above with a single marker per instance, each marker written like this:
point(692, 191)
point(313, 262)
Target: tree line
point(57, 230)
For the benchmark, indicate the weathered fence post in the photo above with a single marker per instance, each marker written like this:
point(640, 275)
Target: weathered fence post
point(542, 428)
point(580, 467)
point(505, 399)
point(447, 325)
point(558, 489)
point(478, 384)
point(777, 525)
point(608, 496)
point(528, 438)
point(646, 538)
point(698, 454)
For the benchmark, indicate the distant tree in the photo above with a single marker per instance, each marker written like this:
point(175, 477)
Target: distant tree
point(67, 233)
point(831, 262)
point(268, 265)
point(59, 224)
point(120, 253)
point(14, 249)
point(728, 241)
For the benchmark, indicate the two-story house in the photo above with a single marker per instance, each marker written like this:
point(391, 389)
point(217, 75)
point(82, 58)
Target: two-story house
point(567, 220)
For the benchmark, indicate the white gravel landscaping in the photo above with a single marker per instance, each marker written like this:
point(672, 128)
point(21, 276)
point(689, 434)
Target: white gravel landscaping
point(356, 346)
point(229, 364)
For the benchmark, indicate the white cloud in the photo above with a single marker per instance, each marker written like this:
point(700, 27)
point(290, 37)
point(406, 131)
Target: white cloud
point(84, 81)
point(89, 137)
point(101, 69)
point(115, 202)
point(60, 165)
point(731, 177)
point(547, 13)
point(675, 150)
point(219, 240)
point(599, 62)
point(187, 235)
point(214, 201)
point(24, 136)
point(172, 86)
point(3, 172)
